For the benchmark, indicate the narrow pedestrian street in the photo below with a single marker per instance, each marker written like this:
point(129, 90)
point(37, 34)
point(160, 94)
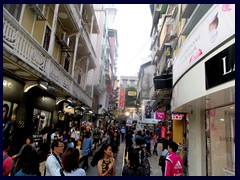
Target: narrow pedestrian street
point(92, 171)
point(155, 169)
point(82, 74)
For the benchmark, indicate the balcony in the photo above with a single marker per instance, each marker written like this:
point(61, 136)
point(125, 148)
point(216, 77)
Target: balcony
point(162, 82)
point(33, 57)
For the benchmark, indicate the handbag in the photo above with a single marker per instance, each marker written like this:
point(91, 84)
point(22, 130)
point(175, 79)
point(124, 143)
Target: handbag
point(161, 161)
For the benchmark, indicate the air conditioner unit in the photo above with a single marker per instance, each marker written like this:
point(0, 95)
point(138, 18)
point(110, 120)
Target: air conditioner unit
point(64, 39)
point(39, 9)
point(173, 32)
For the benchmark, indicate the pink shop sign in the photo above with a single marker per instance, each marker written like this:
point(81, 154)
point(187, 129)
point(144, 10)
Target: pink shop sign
point(160, 114)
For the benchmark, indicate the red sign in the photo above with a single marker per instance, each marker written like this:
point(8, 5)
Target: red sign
point(160, 114)
point(122, 98)
point(177, 116)
point(163, 131)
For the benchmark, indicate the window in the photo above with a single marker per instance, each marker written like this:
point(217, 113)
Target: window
point(132, 82)
point(66, 63)
point(47, 38)
point(14, 10)
point(220, 134)
point(124, 81)
point(79, 78)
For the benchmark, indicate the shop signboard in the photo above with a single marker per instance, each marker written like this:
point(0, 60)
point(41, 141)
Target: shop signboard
point(132, 93)
point(177, 115)
point(160, 114)
point(220, 68)
point(213, 29)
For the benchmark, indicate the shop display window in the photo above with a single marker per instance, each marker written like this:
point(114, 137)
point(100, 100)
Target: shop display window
point(220, 134)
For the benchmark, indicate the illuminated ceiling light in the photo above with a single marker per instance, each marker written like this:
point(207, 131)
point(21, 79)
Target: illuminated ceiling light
point(43, 84)
point(91, 112)
point(221, 119)
point(5, 83)
point(83, 108)
point(69, 100)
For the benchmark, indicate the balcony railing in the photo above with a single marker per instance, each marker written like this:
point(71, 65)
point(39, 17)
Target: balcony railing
point(20, 43)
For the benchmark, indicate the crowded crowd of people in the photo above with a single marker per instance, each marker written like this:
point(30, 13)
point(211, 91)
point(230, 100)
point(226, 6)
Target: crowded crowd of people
point(69, 153)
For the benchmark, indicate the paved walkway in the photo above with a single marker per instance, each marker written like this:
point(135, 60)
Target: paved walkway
point(92, 171)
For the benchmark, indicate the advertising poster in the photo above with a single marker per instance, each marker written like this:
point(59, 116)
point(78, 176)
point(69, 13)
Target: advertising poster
point(41, 119)
point(129, 122)
point(148, 114)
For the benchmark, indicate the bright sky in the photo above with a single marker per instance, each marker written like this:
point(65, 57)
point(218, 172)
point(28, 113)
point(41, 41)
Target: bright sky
point(133, 23)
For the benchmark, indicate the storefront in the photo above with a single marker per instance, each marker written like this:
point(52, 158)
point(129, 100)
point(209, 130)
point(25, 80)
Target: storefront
point(204, 87)
point(13, 97)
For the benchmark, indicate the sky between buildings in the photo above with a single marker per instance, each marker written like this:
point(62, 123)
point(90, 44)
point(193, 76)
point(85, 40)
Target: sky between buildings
point(133, 23)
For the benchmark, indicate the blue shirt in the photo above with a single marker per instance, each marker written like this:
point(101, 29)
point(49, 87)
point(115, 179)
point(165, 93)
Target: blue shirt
point(86, 146)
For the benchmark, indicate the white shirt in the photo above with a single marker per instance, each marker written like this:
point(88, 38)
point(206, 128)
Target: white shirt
point(52, 166)
point(77, 172)
point(73, 133)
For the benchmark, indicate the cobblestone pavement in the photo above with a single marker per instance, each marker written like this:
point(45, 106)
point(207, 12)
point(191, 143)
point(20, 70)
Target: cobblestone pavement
point(92, 171)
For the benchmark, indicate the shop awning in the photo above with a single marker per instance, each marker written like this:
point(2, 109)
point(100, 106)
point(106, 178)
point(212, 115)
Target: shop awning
point(163, 81)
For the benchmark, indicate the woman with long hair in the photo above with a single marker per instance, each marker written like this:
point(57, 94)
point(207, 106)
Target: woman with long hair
point(115, 142)
point(70, 163)
point(27, 163)
point(104, 160)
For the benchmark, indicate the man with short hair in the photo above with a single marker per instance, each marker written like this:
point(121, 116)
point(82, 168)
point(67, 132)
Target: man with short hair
point(123, 131)
point(173, 163)
point(53, 163)
point(55, 134)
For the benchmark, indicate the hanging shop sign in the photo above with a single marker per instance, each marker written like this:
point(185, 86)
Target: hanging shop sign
point(122, 98)
point(132, 93)
point(160, 114)
point(177, 116)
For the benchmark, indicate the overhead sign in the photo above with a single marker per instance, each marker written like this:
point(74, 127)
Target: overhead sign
point(132, 93)
point(177, 116)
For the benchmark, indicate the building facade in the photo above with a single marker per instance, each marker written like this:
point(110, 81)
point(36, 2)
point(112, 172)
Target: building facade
point(202, 63)
point(50, 57)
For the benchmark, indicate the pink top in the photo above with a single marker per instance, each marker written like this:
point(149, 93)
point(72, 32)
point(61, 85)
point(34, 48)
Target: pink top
point(7, 165)
point(174, 165)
